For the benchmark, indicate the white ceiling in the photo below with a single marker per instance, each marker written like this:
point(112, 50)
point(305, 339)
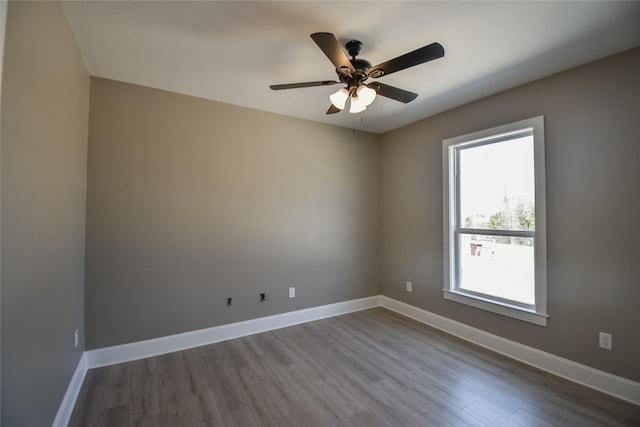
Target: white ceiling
point(231, 51)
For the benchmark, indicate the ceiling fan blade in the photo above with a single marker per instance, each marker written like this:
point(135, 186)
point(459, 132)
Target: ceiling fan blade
point(418, 56)
point(333, 109)
point(328, 43)
point(304, 84)
point(393, 92)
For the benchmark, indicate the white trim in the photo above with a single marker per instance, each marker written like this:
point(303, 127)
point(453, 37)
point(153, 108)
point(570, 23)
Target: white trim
point(495, 307)
point(73, 390)
point(450, 201)
point(605, 382)
point(157, 346)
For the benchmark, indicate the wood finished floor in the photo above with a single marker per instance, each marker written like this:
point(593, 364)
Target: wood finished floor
point(370, 368)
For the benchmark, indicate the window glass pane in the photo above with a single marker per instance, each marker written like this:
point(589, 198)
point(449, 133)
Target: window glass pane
point(498, 266)
point(497, 186)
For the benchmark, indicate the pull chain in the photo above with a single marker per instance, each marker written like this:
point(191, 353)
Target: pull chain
point(354, 124)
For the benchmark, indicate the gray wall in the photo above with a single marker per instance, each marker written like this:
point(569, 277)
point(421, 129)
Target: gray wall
point(45, 105)
point(592, 130)
point(190, 201)
point(3, 21)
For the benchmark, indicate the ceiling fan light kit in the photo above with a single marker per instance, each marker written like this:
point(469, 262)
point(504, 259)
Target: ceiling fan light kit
point(361, 97)
point(355, 71)
point(357, 106)
point(366, 94)
point(339, 99)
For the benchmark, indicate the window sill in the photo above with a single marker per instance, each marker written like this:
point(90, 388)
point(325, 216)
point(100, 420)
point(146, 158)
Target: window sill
point(494, 307)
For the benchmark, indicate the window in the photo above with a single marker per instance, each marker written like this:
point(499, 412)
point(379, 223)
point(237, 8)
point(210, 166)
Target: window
point(494, 222)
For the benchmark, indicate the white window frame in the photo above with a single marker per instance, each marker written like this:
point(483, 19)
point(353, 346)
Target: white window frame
point(537, 313)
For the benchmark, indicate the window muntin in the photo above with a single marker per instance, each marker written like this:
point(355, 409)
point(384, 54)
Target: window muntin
point(494, 205)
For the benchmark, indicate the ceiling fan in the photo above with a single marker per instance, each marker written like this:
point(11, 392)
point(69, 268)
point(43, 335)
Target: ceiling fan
point(355, 71)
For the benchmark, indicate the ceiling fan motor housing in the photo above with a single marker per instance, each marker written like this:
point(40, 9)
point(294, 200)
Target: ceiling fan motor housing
point(361, 66)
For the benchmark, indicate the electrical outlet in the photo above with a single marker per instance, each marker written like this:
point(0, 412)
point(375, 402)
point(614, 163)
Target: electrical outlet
point(292, 292)
point(409, 287)
point(606, 341)
point(76, 338)
point(263, 297)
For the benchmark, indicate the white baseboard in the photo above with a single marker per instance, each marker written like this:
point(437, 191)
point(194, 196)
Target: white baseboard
point(73, 390)
point(157, 346)
point(605, 382)
point(613, 385)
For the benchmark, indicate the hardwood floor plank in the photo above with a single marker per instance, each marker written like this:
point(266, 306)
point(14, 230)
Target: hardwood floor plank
point(368, 368)
point(489, 416)
point(205, 410)
point(88, 405)
point(368, 419)
point(449, 406)
point(114, 417)
point(410, 404)
point(144, 387)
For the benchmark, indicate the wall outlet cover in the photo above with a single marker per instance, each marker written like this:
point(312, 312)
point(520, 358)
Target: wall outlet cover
point(606, 341)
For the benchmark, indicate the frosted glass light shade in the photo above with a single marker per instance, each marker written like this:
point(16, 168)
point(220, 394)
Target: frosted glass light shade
point(366, 95)
point(357, 106)
point(339, 99)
